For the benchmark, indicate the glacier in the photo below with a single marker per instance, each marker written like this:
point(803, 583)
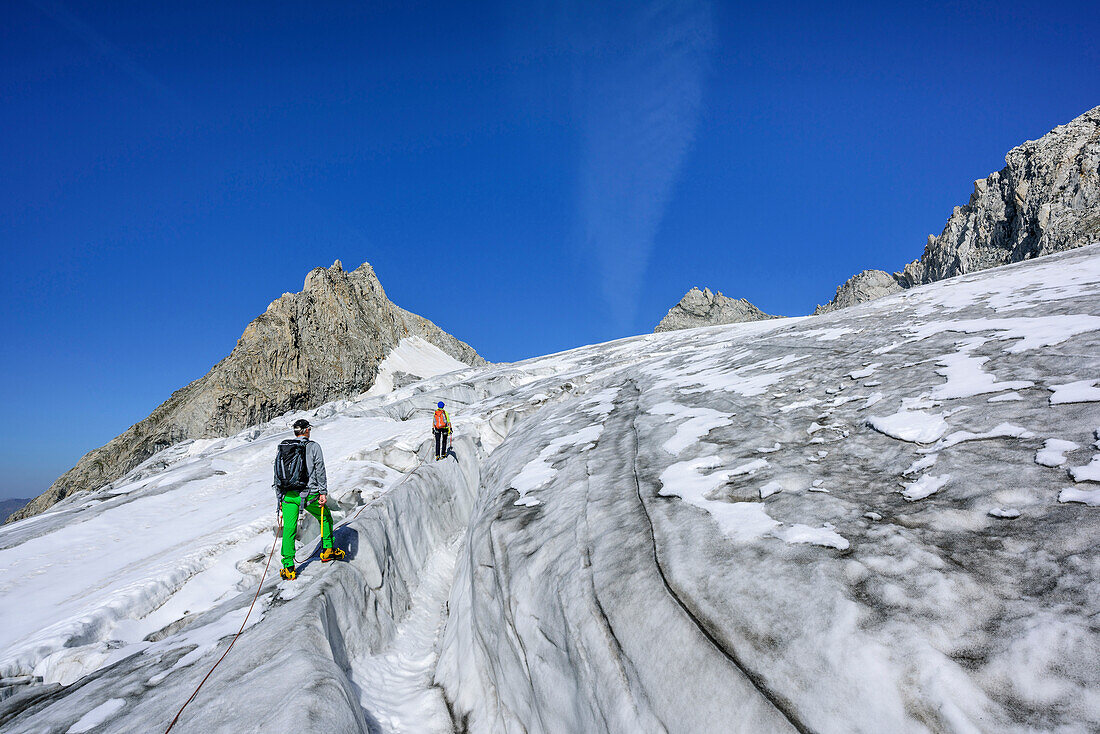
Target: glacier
point(878, 519)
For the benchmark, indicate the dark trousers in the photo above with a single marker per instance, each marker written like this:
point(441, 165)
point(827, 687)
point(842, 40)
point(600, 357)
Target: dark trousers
point(440, 442)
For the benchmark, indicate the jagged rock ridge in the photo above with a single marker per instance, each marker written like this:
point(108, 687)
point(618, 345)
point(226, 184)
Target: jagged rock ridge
point(1046, 199)
point(703, 308)
point(862, 287)
point(306, 349)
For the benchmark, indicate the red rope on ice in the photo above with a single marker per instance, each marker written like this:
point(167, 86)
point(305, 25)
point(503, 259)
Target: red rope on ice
point(250, 606)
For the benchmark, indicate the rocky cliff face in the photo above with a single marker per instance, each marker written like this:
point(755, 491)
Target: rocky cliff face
point(1046, 199)
point(865, 286)
point(306, 349)
point(703, 308)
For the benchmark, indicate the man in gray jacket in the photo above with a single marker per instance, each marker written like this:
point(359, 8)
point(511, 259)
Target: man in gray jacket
point(300, 481)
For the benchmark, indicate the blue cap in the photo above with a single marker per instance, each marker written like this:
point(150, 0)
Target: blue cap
point(439, 404)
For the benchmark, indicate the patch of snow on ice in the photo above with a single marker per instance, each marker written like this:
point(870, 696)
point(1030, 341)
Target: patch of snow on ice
point(748, 380)
point(599, 405)
point(828, 335)
point(1007, 513)
point(914, 426)
point(1088, 473)
point(538, 472)
point(926, 486)
point(799, 404)
point(1033, 332)
point(873, 399)
point(750, 468)
point(97, 716)
point(965, 376)
point(772, 487)
point(1082, 391)
point(918, 403)
point(741, 521)
point(865, 372)
point(769, 449)
point(920, 465)
point(1090, 497)
point(696, 423)
point(1001, 430)
point(209, 635)
point(889, 347)
point(816, 536)
point(759, 384)
point(1054, 451)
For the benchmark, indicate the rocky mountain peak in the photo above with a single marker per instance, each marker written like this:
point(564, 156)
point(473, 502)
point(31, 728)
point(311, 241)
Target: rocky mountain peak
point(1046, 199)
point(704, 308)
point(305, 349)
point(864, 286)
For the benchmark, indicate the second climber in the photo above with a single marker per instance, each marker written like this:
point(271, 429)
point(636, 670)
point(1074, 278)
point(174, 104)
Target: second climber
point(441, 428)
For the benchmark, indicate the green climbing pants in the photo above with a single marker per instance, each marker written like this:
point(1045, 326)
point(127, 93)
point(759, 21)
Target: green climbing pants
point(290, 507)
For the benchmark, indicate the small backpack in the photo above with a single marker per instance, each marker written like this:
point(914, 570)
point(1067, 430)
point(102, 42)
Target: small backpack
point(440, 421)
point(290, 466)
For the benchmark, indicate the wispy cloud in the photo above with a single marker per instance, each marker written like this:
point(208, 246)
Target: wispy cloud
point(641, 89)
point(109, 51)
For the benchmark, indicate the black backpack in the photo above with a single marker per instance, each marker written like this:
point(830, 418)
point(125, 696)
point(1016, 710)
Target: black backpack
point(290, 466)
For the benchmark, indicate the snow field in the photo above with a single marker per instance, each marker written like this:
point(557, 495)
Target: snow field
point(709, 533)
point(413, 356)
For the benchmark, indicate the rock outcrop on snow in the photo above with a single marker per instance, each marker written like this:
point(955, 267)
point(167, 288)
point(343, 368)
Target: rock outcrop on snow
point(307, 348)
point(1046, 199)
point(703, 308)
point(861, 287)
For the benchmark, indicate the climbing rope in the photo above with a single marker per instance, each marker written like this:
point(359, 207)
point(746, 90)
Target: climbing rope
point(270, 555)
point(246, 616)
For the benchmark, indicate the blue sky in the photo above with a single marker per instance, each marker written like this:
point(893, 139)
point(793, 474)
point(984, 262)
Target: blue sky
point(531, 176)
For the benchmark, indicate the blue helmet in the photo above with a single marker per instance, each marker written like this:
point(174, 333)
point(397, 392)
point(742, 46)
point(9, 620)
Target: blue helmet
point(439, 404)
